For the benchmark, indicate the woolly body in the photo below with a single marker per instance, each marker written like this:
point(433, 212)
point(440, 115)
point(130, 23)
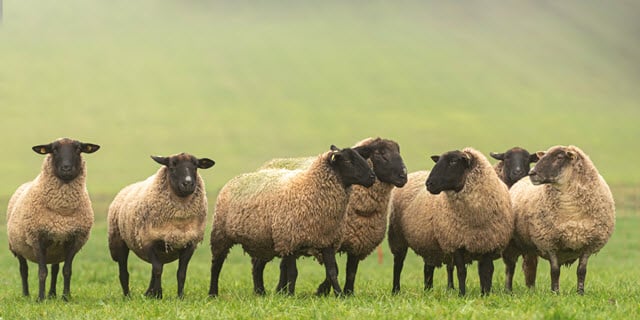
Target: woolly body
point(148, 211)
point(279, 212)
point(479, 218)
point(47, 205)
point(570, 219)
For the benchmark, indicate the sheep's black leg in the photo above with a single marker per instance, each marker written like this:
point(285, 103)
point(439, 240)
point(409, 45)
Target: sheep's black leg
point(54, 277)
point(24, 274)
point(325, 287)
point(529, 266)
point(71, 251)
point(485, 271)
point(216, 267)
point(450, 275)
point(41, 256)
point(331, 270)
point(555, 272)
point(582, 272)
point(122, 258)
point(428, 270)
point(219, 250)
point(120, 254)
point(282, 281)
point(183, 263)
point(458, 258)
point(352, 269)
point(398, 263)
point(509, 271)
point(292, 273)
point(155, 285)
point(257, 271)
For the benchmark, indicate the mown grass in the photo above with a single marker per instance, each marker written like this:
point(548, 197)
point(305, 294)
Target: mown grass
point(244, 82)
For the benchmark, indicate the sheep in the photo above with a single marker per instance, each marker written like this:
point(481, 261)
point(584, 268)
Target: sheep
point(514, 165)
point(50, 217)
point(160, 219)
point(366, 214)
point(466, 215)
point(281, 212)
point(565, 211)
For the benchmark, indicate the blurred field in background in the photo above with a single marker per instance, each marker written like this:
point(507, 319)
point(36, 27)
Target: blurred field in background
point(242, 82)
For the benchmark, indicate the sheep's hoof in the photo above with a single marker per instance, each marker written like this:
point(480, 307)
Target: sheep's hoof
point(154, 294)
point(65, 298)
point(581, 292)
point(323, 289)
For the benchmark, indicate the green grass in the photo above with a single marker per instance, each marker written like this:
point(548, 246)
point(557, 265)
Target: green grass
point(244, 82)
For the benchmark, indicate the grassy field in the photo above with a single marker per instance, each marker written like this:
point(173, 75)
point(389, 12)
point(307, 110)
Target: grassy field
point(243, 82)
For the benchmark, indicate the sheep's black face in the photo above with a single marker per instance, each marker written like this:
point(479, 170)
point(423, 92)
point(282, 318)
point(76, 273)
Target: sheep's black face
point(449, 172)
point(182, 171)
point(388, 165)
point(552, 165)
point(352, 167)
point(65, 156)
point(516, 163)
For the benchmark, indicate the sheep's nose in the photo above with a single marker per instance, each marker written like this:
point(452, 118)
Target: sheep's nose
point(532, 172)
point(518, 171)
point(66, 167)
point(187, 182)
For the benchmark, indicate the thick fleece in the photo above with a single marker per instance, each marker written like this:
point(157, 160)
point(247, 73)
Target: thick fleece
point(148, 211)
point(479, 218)
point(279, 212)
point(570, 218)
point(48, 205)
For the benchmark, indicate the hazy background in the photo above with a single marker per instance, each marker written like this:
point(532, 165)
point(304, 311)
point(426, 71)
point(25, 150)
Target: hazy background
point(242, 82)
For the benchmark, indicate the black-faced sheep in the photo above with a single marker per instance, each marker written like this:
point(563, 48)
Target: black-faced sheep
point(160, 219)
point(514, 165)
point(565, 211)
point(466, 215)
point(366, 214)
point(49, 218)
point(285, 213)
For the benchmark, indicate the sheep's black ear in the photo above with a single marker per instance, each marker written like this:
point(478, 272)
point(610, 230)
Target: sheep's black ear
point(533, 158)
point(467, 159)
point(435, 158)
point(205, 163)
point(334, 148)
point(43, 149)
point(161, 160)
point(498, 156)
point(335, 157)
point(89, 147)
point(365, 152)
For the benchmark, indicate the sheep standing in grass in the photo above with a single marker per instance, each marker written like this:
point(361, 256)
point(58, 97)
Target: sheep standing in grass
point(366, 214)
point(161, 219)
point(514, 165)
point(49, 218)
point(565, 211)
point(281, 212)
point(466, 215)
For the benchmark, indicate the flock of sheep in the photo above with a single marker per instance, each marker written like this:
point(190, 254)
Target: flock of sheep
point(463, 210)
